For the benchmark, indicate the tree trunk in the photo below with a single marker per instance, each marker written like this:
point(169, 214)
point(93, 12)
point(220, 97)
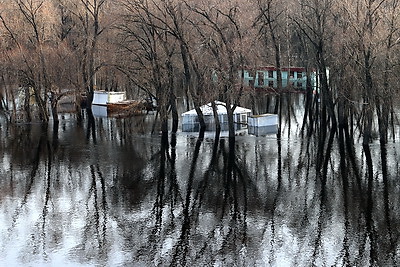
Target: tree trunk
point(368, 97)
point(216, 118)
point(202, 123)
point(175, 116)
point(231, 123)
point(54, 111)
point(27, 107)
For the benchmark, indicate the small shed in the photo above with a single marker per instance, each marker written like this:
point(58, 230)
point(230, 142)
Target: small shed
point(263, 124)
point(103, 98)
point(190, 121)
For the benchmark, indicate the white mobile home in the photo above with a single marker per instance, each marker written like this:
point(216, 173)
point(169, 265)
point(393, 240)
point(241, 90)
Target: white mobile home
point(190, 121)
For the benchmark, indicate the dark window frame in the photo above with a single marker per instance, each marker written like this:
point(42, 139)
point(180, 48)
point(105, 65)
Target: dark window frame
point(271, 83)
point(270, 74)
point(299, 75)
point(260, 78)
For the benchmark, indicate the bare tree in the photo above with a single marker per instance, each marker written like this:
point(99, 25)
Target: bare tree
point(372, 24)
point(313, 21)
point(222, 33)
point(271, 18)
point(384, 103)
point(35, 76)
point(37, 55)
point(193, 73)
point(90, 14)
point(151, 48)
point(271, 21)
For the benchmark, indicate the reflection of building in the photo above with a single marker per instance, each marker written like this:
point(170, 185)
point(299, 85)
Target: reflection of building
point(190, 121)
point(266, 77)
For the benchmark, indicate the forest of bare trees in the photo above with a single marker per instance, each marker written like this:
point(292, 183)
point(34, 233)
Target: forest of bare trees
point(171, 48)
point(114, 195)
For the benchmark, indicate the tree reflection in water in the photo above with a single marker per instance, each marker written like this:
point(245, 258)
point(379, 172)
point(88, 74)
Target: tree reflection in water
point(105, 193)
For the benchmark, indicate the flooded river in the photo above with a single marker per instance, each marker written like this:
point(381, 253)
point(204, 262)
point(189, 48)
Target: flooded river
point(109, 194)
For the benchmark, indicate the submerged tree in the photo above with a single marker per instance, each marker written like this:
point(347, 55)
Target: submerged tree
point(90, 14)
point(271, 21)
point(199, 50)
point(223, 35)
point(179, 23)
point(26, 46)
point(313, 21)
point(369, 42)
point(151, 47)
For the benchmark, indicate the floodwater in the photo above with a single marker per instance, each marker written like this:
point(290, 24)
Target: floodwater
point(109, 194)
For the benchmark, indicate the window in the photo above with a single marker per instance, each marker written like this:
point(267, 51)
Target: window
point(299, 75)
point(291, 74)
point(236, 119)
point(271, 83)
point(251, 83)
point(299, 85)
point(244, 121)
point(260, 78)
point(270, 74)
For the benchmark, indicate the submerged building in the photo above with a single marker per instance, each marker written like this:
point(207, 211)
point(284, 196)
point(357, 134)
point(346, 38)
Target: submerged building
point(266, 77)
point(190, 120)
point(263, 124)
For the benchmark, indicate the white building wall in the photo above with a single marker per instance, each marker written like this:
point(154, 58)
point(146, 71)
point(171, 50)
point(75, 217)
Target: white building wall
point(114, 97)
point(100, 98)
point(103, 97)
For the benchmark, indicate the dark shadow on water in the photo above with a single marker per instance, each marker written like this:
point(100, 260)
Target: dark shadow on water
point(180, 201)
point(91, 126)
point(345, 252)
point(387, 205)
point(182, 248)
point(370, 237)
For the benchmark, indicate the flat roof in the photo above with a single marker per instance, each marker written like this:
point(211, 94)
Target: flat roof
point(109, 92)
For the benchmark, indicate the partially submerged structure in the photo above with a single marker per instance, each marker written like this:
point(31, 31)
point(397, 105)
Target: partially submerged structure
point(190, 121)
point(263, 124)
point(103, 98)
point(116, 104)
point(267, 77)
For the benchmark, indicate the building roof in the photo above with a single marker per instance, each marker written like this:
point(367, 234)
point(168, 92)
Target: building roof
point(221, 109)
point(109, 92)
point(273, 68)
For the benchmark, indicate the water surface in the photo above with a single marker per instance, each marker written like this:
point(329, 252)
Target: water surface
point(110, 194)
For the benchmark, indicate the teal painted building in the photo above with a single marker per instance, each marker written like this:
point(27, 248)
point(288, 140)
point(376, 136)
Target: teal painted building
point(266, 77)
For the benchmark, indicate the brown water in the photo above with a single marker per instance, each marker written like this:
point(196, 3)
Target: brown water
point(112, 195)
